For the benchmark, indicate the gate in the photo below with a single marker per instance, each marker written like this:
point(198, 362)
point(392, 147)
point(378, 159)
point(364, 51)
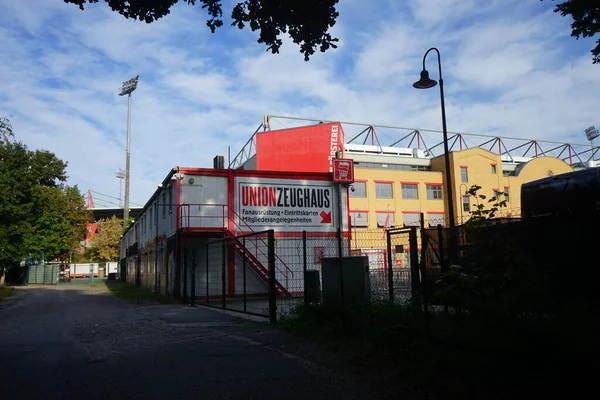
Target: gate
point(44, 274)
point(241, 275)
point(434, 260)
point(399, 281)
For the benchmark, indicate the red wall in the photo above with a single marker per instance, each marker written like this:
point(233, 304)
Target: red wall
point(303, 149)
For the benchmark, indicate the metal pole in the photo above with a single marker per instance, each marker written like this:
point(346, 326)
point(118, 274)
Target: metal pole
point(272, 287)
point(207, 273)
point(340, 255)
point(223, 275)
point(304, 265)
point(390, 271)
point(446, 153)
point(244, 270)
point(193, 278)
point(127, 155)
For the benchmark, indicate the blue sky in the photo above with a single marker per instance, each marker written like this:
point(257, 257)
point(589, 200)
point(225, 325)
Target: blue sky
point(510, 68)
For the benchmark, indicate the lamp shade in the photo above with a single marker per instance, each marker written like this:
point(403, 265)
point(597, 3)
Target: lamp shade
point(425, 82)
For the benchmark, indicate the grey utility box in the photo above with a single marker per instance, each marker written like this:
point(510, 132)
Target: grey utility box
point(356, 284)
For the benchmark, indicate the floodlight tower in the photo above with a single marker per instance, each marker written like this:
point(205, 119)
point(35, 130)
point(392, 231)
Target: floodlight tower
point(128, 88)
point(121, 175)
point(592, 133)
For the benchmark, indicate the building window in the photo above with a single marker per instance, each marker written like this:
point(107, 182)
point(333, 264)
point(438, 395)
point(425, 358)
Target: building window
point(381, 218)
point(410, 191)
point(384, 190)
point(496, 194)
point(435, 220)
point(412, 219)
point(464, 174)
point(170, 189)
point(164, 204)
point(359, 219)
point(466, 203)
point(360, 189)
point(151, 219)
point(493, 168)
point(434, 192)
point(506, 194)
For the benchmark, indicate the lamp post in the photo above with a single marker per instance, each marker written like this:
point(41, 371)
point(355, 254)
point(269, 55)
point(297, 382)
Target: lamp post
point(128, 88)
point(121, 175)
point(425, 82)
point(462, 202)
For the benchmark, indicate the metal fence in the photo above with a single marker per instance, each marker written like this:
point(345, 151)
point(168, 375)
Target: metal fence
point(241, 274)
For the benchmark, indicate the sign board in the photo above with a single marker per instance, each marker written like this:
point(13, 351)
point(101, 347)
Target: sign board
point(303, 149)
point(343, 170)
point(285, 204)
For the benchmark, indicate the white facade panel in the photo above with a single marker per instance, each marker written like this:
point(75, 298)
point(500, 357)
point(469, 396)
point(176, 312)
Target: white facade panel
point(204, 201)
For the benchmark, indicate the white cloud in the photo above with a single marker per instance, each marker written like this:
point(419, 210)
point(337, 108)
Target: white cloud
point(510, 69)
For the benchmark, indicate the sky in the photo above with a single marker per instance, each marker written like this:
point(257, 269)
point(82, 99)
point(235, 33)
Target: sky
point(510, 68)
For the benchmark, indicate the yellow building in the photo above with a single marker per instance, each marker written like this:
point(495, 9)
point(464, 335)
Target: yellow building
point(390, 181)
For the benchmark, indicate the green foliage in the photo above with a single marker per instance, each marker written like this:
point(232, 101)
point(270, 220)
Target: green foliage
point(38, 212)
point(105, 245)
point(307, 22)
point(586, 21)
point(128, 292)
point(59, 219)
point(129, 223)
point(6, 130)
point(495, 276)
point(481, 214)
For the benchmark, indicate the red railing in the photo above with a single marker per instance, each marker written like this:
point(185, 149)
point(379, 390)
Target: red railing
point(220, 221)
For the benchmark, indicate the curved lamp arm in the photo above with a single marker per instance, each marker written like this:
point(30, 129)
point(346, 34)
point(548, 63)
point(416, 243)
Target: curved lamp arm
point(439, 57)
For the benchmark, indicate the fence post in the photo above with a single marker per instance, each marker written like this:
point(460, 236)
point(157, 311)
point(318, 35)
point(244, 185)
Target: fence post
point(193, 280)
point(207, 270)
point(443, 253)
point(414, 261)
point(185, 271)
point(244, 269)
point(223, 274)
point(443, 262)
point(304, 265)
point(390, 271)
point(272, 288)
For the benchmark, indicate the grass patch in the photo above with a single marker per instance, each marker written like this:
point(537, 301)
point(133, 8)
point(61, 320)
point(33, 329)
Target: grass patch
point(454, 356)
point(131, 293)
point(6, 292)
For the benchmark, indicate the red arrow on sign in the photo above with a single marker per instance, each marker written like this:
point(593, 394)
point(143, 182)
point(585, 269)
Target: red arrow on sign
point(325, 217)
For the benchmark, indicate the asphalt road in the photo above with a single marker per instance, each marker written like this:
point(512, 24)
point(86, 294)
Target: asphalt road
point(78, 342)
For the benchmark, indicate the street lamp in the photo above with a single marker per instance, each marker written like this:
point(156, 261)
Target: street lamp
point(128, 88)
point(426, 83)
point(121, 175)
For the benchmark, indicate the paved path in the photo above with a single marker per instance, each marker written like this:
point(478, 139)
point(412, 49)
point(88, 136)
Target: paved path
point(77, 342)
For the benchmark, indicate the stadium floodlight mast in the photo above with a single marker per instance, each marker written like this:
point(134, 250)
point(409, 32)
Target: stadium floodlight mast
point(121, 175)
point(128, 88)
point(592, 133)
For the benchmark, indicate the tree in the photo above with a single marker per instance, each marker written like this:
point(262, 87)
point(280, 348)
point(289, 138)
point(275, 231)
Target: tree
point(58, 219)
point(105, 245)
point(38, 212)
point(6, 131)
point(306, 21)
point(586, 20)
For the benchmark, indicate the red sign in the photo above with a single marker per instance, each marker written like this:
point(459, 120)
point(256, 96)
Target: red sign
point(303, 149)
point(343, 170)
